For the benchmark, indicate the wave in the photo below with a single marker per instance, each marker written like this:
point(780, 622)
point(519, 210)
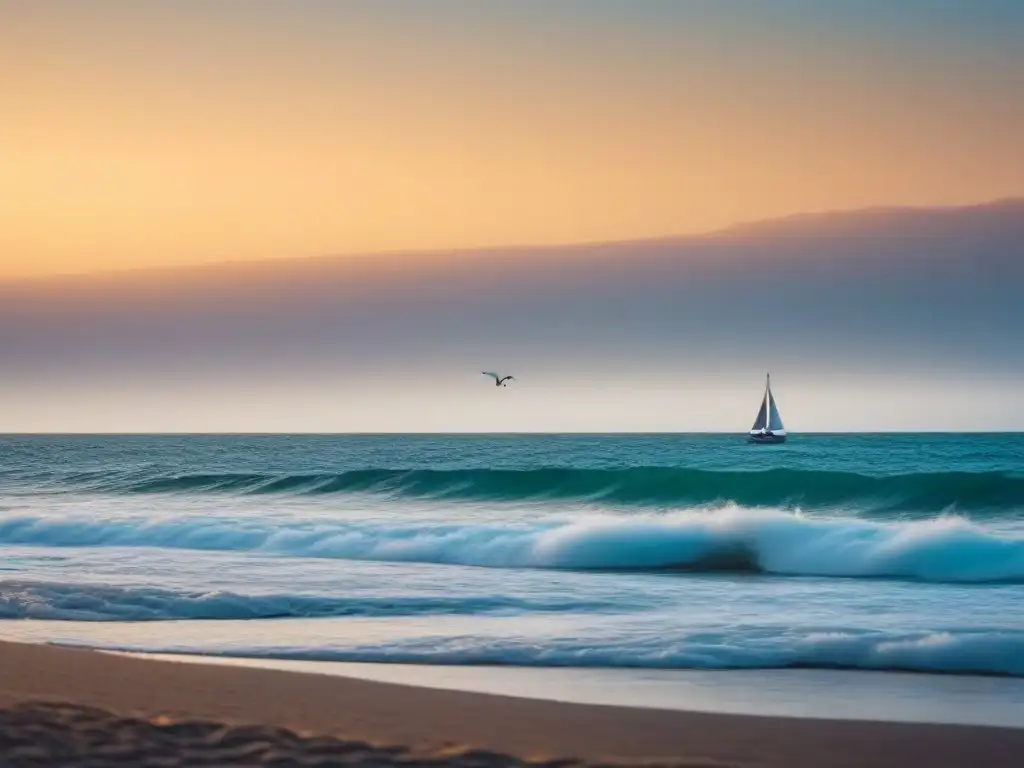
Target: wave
point(946, 549)
point(98, 603)
point(651, 486)
point(981, 652)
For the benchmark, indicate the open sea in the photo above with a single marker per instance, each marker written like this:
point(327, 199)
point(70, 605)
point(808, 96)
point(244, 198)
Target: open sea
point(656, 552)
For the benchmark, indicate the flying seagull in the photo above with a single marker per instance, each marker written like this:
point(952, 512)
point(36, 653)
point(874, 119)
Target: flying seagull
point(499, 381)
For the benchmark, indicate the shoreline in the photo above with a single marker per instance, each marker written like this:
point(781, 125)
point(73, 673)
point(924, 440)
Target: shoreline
point(883, 696)
point(416, 721)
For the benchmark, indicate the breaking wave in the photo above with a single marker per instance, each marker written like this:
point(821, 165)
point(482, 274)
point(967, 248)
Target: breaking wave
point(945, 549)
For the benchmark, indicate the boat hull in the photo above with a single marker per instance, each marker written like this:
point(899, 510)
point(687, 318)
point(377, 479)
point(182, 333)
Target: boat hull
point(766, 439)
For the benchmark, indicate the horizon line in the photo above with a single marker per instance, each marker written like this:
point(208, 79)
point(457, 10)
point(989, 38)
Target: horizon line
point(602, 433)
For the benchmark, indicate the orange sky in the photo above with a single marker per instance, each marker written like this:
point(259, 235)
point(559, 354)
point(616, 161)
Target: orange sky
point(156, 133)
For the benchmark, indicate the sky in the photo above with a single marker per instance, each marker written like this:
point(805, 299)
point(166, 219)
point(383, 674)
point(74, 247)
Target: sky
point(876, 320)
point(441, 155)
point(155, 132)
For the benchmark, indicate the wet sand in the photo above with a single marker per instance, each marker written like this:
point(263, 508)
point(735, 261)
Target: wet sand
point(62, 706)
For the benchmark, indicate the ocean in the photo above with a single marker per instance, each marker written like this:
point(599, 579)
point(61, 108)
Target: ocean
point(657, 552)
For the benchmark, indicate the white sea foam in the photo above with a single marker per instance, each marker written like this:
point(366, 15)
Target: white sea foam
point(944, 549)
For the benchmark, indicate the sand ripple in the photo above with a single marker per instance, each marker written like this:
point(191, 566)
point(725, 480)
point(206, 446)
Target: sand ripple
point(39, 734)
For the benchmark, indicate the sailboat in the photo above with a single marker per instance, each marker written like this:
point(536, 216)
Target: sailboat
point(768, 427)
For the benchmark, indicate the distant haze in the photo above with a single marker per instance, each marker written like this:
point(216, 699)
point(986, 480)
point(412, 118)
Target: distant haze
point(868, 320)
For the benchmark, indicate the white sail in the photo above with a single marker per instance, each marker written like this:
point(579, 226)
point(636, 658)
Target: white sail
point(774, 419)
point(769, 420)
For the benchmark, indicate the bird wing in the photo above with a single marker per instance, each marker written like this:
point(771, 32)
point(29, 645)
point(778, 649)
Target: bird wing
point(491, 374)
point(512, 378)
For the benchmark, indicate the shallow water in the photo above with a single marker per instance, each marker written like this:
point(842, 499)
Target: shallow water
point(804, 693)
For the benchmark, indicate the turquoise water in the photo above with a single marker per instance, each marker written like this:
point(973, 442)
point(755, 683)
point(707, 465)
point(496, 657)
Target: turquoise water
point(656, 551)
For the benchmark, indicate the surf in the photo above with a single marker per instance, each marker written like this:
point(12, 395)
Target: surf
point(946, 549)
point(59, 601)
point(937, 651)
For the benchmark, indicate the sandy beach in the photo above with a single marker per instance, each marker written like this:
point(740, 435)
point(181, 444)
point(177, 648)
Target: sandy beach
point(63, 706)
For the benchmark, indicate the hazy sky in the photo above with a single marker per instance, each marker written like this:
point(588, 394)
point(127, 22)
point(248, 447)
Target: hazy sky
point(875, 320)
point(161, 132)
